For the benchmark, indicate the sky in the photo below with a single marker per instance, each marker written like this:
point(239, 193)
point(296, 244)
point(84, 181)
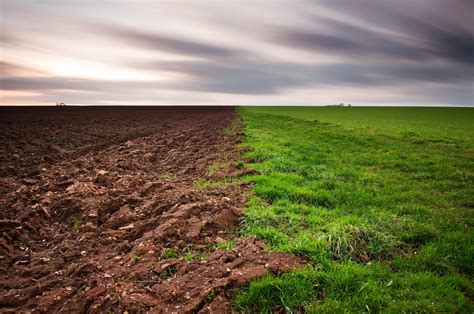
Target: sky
point(242, 52)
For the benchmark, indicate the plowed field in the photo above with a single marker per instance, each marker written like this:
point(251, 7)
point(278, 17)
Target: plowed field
point(104, 209)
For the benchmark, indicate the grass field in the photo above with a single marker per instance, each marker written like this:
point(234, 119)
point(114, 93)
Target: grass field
point(379, 200)
point(432, 123)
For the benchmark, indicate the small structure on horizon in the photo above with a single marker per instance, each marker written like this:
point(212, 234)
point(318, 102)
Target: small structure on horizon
point(60, 104)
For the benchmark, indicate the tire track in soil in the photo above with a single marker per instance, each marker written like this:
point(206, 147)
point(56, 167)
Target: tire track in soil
point(134, 201)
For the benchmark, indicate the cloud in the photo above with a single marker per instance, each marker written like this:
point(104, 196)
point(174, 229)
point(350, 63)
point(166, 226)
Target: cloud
point(423, 30)
point(171, 44)
point(351, 41)
point(453, 44)
point(13, 69)
point(48, 84)
point(345, 47)
point(255, 77)
point(260, 76)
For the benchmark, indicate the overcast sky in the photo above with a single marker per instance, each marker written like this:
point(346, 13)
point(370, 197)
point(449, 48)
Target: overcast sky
point(127, 52)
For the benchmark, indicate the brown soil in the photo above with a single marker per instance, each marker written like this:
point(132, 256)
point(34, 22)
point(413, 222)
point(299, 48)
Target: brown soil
point(113, 221)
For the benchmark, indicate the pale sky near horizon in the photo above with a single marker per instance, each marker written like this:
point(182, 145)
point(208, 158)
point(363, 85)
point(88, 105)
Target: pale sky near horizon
point(133, 52)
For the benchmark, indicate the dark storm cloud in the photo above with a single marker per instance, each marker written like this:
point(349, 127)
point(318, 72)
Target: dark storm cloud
point(155, 41)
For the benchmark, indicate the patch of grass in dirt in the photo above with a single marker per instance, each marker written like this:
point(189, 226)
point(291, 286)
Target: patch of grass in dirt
point(136, 257)
point(189, 256)
point(169, 253)
point(225, 245)
point(234, 127)
point(385, 221)
point(210, 296)
point(218, 166)
point(77, 225)
point(203, 184)
point(168, 272)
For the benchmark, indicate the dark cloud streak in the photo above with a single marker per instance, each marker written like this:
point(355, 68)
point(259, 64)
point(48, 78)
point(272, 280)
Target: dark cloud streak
point(350, 41)
point(159, 42)
point(423, 30)
point(263, 77)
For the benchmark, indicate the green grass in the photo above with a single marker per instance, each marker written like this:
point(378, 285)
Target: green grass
point(226, 245)
point(77, 225)
point(218, 166)
point(203, 184)
point(233, 129)
point(431, 123)
point(169, 253)
point(189, 256)
point(379, 200)
point(136, 257)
